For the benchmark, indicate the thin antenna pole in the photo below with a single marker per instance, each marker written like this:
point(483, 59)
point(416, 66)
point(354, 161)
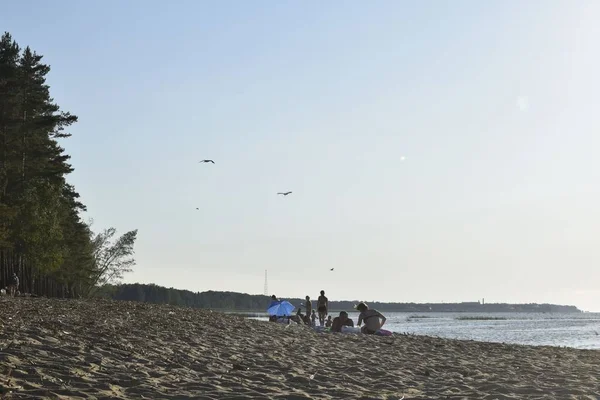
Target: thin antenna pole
point(266, 284)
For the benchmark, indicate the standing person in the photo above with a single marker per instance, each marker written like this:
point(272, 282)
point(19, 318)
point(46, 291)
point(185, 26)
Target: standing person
point(14, 285)
point(313, 317)
point(373, 319)
point(308, 306)
point(322, 306)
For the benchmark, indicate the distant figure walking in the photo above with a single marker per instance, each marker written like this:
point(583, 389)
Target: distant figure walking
point(322, 307)
point(13, 287)
point(373, 319)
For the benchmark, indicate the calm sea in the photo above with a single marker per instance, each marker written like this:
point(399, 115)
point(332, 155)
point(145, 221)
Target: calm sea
point(573, 330)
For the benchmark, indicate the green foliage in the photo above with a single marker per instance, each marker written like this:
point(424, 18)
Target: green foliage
point(163, 295)
point(42, 237)
point(112, 258)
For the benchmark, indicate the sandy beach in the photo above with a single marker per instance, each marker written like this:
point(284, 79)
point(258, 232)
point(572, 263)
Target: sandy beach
point(106, 349)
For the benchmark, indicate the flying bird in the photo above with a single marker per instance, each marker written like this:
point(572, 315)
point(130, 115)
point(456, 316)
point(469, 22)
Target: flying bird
point(284, 193)
point(206, 161)
point(332, 269)
point(197, 208)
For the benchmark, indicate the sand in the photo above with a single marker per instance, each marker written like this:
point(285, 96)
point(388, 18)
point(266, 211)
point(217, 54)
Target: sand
point(107, 349)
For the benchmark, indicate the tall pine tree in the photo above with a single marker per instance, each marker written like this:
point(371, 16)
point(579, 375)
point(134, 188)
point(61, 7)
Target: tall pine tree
point(42, 237)
point(9, 57)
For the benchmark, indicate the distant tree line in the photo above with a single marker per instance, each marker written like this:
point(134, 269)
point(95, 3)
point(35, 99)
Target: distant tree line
point(162, 295)
point(246, 302)
point(42, 237)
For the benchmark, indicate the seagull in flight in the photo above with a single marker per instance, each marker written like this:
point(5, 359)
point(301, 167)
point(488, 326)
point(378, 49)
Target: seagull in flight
point(197, 208)
point(332, 269)
point(284, 193)
point(206, 161)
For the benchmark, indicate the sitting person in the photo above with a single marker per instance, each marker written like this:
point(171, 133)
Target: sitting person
point(328, 322)
point(307, 319)
point(342, 320)
point(373, 319)
point(293, 319)
point(299, 317)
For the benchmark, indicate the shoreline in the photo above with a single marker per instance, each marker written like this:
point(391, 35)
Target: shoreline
point(532, 330)
point(418, 313)
point(98, 348)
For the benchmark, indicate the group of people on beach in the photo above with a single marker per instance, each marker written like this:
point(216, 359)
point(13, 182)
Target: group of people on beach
point(373, 320)
point(310, 318)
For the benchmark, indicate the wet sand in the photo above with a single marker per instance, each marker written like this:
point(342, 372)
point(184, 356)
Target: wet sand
point(120, 350)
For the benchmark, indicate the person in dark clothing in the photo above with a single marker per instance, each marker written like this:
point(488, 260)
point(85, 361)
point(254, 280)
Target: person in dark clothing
point(14, 285)
point(342, 320)
point(308, 305)
point(322, 307)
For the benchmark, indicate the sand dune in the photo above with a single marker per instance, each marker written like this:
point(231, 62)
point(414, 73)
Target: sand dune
point(105, 349)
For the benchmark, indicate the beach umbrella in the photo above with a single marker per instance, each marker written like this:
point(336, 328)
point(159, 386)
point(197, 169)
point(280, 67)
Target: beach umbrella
point(274, 303)
point(280, 308)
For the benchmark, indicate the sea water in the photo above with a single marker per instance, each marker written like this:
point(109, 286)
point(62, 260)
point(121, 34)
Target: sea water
point(578, 330)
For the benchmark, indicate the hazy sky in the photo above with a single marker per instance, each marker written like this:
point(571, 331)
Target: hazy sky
point(494, 105)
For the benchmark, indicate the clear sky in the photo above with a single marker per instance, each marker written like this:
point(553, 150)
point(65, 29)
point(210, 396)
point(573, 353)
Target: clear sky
point(493, 104)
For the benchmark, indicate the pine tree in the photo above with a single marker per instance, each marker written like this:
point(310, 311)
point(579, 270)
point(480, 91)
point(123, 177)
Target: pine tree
point(9, 56)
point(43, 167)
point(42, 236)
